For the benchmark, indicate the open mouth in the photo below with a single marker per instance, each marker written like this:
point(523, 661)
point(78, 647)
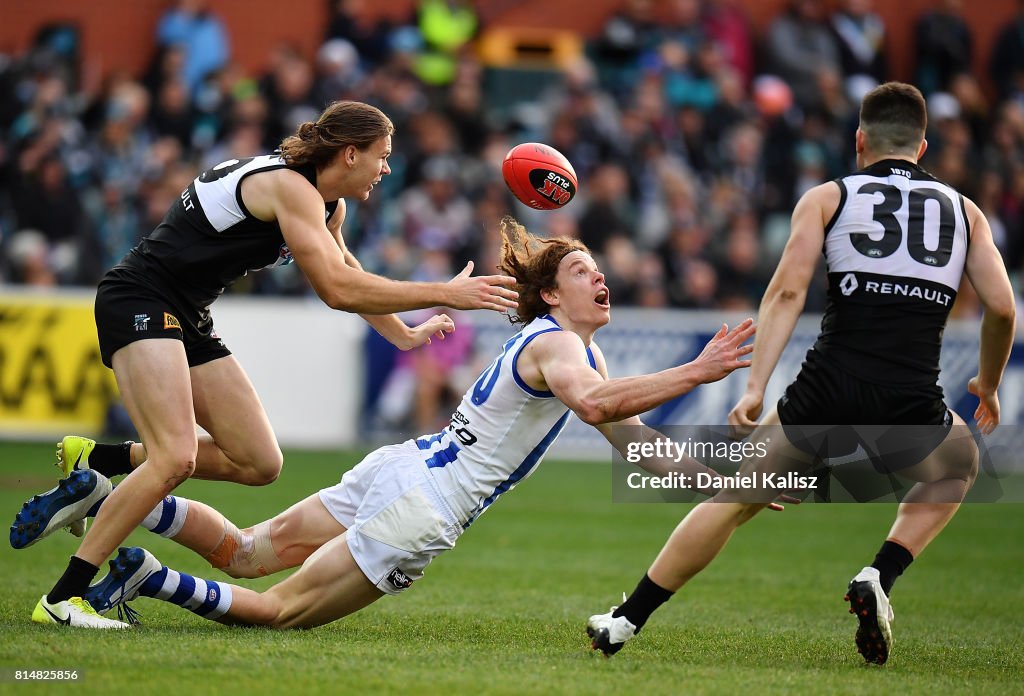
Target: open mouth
point(602, 298)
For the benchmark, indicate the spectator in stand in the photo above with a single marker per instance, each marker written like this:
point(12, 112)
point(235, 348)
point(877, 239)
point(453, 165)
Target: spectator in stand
point(740, 263)
point(435, 213)
point(465, 107)
point(338, 74)
point(860, 36)
point(425, 385)
point(446, 27)
point(727, 24)
point(351, 21)
point(944, 46)
point(974, 108)
point(626, 38)
point(191, 25)
point(45, 205)
point(682, 24)
point(1006, 65)
point(288, 89)
point(621, 266)
point(798, 45)
point(607, 211)
point(172, 113)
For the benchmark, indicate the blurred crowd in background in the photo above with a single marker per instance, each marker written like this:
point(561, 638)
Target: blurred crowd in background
point(692, 139)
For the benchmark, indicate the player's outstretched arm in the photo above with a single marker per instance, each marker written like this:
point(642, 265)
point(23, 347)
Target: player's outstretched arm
point(558, 361)
point(390, 326)
point(286, 196)
point(987, 274)
point(625, 436)
point(784, 299)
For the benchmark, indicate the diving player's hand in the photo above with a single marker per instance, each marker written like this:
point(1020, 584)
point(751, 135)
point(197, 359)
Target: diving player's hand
point(434, 327)
point(777, 506)
point(743, 417)
point(482, 292)
point(723, 352)
point(987, 413)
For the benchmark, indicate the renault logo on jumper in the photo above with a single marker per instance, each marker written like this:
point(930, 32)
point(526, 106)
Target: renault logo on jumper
point(848, 284)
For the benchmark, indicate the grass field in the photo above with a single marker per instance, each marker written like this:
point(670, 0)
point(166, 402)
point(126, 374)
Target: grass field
point(504, 612)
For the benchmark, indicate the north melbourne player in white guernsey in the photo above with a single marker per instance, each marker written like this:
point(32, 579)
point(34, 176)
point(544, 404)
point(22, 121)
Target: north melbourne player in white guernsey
point(376, 531)
point(896, 243)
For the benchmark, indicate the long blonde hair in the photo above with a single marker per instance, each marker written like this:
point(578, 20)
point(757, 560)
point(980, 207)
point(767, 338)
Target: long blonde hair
point(533, 262)
point(343, 123)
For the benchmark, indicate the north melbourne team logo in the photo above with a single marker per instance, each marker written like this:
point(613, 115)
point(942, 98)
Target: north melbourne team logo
point(399, 579)
point(848, 284)
point(141, 322)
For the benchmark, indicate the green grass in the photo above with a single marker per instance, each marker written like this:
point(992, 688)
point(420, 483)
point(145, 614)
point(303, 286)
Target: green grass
point(503, 613)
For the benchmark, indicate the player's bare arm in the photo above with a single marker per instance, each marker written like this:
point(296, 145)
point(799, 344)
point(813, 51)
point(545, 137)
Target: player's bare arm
point(784, 299)
point(390, 326)
point(558, 361)
point(286, 196)
point(631, 430)
point(988, 276)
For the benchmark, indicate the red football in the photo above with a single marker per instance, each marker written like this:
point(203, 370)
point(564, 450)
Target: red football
point(539, 175)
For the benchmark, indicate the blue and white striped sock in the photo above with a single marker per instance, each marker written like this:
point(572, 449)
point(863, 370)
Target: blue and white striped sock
point(206, 598)
point(166, 519)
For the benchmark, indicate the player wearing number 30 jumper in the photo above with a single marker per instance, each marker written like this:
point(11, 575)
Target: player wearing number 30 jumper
point(896, 243)
point(156, 332)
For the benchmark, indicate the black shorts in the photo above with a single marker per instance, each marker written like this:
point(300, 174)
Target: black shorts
point(127, 311)
point(828, 412)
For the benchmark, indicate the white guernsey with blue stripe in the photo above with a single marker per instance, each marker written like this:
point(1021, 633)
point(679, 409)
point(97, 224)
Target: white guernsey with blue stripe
point(499, 434)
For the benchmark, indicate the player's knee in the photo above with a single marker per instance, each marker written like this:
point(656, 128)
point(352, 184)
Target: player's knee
point(265, 468)
point(246, 553)
point(281, 614)
point(175, 466)
point(269, 610)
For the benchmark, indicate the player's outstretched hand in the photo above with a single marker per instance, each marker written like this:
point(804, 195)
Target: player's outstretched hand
point(724, 351)
point(434, 327)
point(778, 506)
point(744, 415)
point(482, 292)
point(987, 413)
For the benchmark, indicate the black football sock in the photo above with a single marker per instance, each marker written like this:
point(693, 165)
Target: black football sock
point(891, 560)
point(74, 582)
point(112, 460)
point(647, 597)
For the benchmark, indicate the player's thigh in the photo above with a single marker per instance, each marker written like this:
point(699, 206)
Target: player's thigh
point(300, 530)
point(955, 458)
point(153, 378)
point(328, 586)
point(773, 450)
point(228, 408)
point(773, 454)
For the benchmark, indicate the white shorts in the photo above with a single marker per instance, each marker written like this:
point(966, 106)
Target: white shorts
point(397, 520)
